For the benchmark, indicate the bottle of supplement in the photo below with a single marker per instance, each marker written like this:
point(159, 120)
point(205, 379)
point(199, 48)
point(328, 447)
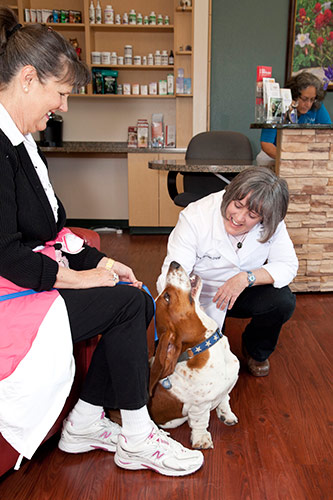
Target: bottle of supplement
point(150, 60)
point(164, 58)
point(157, 58)
point(171, 58)
point(132, 17)
point(159, 19)
point(113, 59)
point(166, 20)
point(125, 18)
point(98, 13)
point(108, 15)
point(146, 20)
point(118, 19)
point(92, 13)
point(139, 18)
point(152, 18)
point(128, 51)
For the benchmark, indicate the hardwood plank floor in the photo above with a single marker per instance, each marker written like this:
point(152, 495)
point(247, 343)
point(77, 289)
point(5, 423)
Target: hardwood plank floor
point(281, 449)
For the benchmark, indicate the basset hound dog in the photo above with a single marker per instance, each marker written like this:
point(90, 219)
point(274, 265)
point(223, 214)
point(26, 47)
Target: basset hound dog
point(193, 370)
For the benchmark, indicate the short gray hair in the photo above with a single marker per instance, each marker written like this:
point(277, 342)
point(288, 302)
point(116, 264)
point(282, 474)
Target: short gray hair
point(269, 197)
point(41, 47)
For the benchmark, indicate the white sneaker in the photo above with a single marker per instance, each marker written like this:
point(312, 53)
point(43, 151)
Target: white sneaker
point(159, 453)
point(103, 434)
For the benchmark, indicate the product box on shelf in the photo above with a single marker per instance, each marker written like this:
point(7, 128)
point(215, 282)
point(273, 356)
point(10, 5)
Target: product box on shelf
point(104, 81)
point(132, 141)
point(157, 137)
point(187, 85)
point(170, 136)
point(143, 133)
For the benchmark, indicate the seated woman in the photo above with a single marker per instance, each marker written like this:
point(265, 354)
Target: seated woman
point(237, 242)
point(308, 95)
point(77, 297)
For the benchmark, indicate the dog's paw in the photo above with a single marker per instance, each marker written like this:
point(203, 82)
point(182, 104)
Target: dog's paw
point(228, 418)
point(202, 441)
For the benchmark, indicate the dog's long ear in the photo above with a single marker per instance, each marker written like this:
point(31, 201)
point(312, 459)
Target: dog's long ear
point(165, 359)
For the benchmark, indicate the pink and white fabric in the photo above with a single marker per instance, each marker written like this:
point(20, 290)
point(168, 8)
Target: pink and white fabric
point(36, 358)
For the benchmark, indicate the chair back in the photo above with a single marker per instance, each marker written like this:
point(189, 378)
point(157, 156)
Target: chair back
point(219, 145)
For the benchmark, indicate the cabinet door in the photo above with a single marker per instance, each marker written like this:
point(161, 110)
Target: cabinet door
point(168, 211)
point(142, 190)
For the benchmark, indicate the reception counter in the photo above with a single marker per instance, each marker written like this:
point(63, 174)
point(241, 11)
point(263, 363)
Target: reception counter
point(305, 160)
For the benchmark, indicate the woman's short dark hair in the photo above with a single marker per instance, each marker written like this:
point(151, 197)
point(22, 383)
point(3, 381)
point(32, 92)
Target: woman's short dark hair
point(269, 197)
point(304, 80)
point(41, 47)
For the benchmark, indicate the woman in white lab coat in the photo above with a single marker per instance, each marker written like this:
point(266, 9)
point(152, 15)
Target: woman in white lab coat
point(237, 242)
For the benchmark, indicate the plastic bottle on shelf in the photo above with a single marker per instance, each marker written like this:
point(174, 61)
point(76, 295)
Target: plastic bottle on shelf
point(152, 18)
point(157, 58)
point(98, 13)
point(132, 17)
point(164, 58)
point(108, 15)
point(91, 13)
point(171, 58)
point(139, 18)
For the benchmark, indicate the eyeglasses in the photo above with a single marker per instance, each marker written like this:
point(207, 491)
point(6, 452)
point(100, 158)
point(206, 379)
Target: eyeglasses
point(308, 99)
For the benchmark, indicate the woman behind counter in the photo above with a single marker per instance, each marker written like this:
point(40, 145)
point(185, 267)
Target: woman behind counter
point(38, 69)
point(308, 94)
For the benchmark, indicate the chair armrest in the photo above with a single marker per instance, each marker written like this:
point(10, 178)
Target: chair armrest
point(88, 235)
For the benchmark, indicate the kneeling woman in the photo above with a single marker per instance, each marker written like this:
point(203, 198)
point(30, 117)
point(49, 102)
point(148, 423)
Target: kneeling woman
point(237, 242)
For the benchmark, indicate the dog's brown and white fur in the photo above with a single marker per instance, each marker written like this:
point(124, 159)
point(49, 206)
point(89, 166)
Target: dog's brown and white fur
point(200, 384)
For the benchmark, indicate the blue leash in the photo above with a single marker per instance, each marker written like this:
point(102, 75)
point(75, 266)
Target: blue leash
point(16, 294)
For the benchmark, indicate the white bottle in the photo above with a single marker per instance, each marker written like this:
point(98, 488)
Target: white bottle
point(98, 13)
point(108, 15)
point(92, 13)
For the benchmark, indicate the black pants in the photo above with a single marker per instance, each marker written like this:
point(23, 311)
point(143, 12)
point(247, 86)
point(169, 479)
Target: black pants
point(119, 373)
point(269, 309)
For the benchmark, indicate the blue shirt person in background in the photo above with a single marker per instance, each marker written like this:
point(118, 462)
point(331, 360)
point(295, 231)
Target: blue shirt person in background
point(308, 94)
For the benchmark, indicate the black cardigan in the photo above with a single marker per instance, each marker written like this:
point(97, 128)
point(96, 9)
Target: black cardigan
point(27, 220)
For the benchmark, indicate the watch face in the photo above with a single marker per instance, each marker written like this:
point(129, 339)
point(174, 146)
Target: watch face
point(251, 278)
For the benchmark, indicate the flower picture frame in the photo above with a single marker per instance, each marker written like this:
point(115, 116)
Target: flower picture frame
point(310, 39)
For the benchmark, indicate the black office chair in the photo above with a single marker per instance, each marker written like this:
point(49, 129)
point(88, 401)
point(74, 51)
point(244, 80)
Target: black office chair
point(210, 147)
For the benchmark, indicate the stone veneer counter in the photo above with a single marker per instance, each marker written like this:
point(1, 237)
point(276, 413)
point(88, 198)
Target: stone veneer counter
point(121, 148)
point(305, 160)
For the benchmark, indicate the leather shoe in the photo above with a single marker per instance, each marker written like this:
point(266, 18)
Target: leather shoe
point(256, 368)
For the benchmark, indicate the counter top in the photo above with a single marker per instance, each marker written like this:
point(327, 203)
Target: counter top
point(317, 126)
point(105, 147)
point(212, 166)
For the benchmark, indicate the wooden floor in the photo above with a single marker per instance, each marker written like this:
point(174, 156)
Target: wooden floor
point(280, 449)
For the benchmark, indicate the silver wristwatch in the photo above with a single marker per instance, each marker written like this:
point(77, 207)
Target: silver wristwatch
point(250, 278)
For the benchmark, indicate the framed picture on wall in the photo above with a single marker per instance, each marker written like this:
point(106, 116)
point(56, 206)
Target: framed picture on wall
point(310, 39)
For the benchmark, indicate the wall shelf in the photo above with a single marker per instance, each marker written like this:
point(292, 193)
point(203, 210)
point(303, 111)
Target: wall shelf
point(131, 67)
point(146, 28)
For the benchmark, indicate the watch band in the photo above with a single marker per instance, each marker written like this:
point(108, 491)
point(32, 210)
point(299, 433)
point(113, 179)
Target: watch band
point(250, 278)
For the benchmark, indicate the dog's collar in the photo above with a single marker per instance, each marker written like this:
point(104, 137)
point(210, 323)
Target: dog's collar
point(199, 348)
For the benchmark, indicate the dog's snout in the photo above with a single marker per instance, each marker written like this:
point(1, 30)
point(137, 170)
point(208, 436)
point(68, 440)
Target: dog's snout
point(174, 265)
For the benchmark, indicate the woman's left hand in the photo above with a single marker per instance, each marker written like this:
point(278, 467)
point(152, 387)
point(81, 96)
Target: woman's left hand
point(227, 294)
point(123, 272)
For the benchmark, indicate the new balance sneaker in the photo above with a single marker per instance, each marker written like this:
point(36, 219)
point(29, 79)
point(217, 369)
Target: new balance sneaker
point(160, 453)
point(103, 434)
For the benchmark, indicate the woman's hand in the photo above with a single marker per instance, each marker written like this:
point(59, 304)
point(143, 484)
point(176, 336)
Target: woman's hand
point(227, 294)
point(124, 272)
point(99, 276)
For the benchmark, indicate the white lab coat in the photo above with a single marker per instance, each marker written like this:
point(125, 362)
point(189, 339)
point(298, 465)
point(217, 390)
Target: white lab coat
point(199, 243)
